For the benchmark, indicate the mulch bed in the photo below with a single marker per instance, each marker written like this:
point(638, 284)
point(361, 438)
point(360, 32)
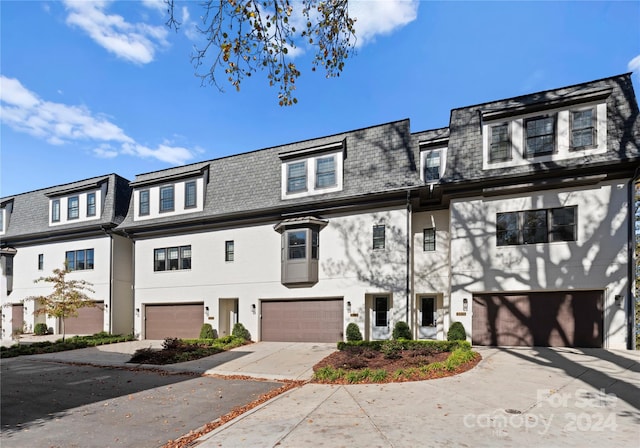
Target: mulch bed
point(366, 358)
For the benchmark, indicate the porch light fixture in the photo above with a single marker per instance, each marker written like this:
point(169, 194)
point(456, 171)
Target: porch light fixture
point(349, 307)
point(137, 311)
point(253, 308)
point(465, 304)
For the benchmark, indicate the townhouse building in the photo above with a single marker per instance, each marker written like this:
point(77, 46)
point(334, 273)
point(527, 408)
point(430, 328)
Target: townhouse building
point(72, 225)
point(515, 220)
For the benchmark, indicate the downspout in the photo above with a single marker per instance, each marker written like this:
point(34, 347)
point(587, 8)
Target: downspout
point(631, 302)
point(407, 291)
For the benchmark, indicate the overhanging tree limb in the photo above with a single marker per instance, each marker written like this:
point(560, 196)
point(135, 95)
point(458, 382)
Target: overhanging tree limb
point(241, 37)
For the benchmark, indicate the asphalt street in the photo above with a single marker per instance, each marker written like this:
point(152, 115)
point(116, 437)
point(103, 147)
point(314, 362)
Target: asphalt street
point(61, 405)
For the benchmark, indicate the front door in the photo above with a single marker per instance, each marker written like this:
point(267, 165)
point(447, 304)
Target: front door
point(380, 319)
point(428, 318)
point(228, 315)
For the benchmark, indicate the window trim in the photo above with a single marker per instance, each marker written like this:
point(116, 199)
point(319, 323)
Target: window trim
point(71, 209)
point(146, 203)
point(554, 121)
point(431, 247)
point(594, 128)
point(187, 186)
point(91, 205)
point(171, 188)
point(509, 155)
point(379, 241)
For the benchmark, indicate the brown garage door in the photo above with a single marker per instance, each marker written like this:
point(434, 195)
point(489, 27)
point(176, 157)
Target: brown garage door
point(90, 320)
point(302, 320)
point(176, 321)
point(544, 319)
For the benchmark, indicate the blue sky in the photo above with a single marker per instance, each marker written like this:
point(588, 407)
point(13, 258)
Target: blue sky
point(91, 88)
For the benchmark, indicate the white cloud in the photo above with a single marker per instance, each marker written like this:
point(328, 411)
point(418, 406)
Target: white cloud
point(134, 42)
point(634, 64)
point(158, 5)
point(59, 124)
point(380, 17)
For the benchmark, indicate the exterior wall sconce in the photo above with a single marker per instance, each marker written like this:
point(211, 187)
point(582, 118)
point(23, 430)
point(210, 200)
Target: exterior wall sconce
point(465, 304)
point(137, 311)
point(206, 310)
point(253, 308)
point(349, 307)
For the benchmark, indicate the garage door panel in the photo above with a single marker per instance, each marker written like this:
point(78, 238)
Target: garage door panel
point(556, 319)
point(176, 321)
point(302, 320)
point(90, 320)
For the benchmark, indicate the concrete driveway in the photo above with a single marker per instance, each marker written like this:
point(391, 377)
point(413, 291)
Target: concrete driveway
point(514, 397)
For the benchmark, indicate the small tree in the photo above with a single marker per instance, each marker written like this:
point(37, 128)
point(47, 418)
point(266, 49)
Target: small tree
point(67, 298)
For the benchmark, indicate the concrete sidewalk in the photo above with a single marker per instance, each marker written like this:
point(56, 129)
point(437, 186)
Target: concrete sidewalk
point(514, 397)
point(261, 360)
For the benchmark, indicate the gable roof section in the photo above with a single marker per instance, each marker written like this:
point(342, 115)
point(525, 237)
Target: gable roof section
point(30, 211)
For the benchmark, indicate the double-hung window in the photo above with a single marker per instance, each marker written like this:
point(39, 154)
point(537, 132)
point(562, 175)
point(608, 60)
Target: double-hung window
point(73, 207)
point(429, 242)
point(229, 250)
point(563, 224)
point(166, 199)
point(172, 258)
point(296, 177)
point(190, 194)
point(91, 204)
point(297, 244)
point(378, 236)
point(583, 128)
point(40, 262)
point(534, 226)
point(55, 210)
point(144, 203)
point(326, 172)
point(432, 164)
point(540, 135)
point(500, 144)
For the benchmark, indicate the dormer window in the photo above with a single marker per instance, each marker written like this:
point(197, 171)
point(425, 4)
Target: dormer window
point(91, 204)
point(166, 199)
point(500, 146)
point(583, 128)
point(190, 194)
point(73, 207)
point(433, 161)
point(296, 177)
point(144, 203)
point(540, 135)
point(312, 171)
point(55, 210)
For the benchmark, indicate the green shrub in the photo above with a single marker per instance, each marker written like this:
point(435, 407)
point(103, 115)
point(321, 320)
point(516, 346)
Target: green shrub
point(239, 331)
point(41, 329)
point(353, 332)
point(401, 330)
point(456, 332)
point(207, 332)
point(392, 349)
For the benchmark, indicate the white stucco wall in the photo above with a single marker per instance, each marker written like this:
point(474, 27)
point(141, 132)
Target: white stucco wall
point(431, 268)
point(348, 268)
point(25, 268)
point(596, 261)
